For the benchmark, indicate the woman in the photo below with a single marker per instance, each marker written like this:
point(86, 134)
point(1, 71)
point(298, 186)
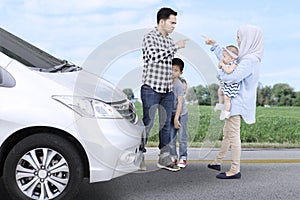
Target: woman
point(250, 42)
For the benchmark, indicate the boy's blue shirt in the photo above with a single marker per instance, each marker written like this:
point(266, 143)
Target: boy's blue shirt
point(178, 90)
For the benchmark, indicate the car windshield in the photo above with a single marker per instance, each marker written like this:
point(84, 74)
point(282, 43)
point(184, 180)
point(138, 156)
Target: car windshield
point(31, 56)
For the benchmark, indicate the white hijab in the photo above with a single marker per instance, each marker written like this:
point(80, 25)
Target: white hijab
point(252, 41)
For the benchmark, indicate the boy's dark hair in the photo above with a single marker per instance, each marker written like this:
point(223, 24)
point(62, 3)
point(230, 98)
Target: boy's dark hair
point(178, 62)
point(164, 13)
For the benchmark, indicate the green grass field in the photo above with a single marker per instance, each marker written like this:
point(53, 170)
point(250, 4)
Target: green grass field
point(274, 127)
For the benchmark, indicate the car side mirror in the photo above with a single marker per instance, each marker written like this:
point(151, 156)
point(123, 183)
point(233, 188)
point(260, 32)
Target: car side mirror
point(6, 79)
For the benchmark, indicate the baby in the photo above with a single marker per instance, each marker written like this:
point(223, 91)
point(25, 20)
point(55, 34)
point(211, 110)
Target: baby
point(226, 91)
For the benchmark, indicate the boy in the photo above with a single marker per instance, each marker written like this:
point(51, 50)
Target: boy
point(179, 115)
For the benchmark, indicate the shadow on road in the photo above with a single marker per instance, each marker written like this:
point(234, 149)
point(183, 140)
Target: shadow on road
point(259, 181)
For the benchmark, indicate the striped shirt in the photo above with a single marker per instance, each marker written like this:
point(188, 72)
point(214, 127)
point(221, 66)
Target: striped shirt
point(232, 89)
point(158, 52)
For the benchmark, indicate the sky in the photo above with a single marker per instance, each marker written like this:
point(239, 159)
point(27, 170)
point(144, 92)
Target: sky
point(74, 29)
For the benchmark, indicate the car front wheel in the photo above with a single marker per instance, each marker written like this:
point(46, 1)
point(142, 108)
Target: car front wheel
point(43, 166)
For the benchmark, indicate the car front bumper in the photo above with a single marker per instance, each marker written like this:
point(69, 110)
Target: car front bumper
point(112, 146)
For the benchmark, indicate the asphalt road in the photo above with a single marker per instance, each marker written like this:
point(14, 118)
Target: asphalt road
point(266, 174)
point(260, 181)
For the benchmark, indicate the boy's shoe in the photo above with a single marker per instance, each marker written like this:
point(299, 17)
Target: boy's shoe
point(174, 160)
point(182, 163)
point(219, 106)
point(166, 163)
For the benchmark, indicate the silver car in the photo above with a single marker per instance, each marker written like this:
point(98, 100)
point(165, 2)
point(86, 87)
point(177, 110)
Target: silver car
point(59, 124)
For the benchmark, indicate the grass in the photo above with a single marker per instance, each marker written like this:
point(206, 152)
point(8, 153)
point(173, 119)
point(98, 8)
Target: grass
point(275, 127)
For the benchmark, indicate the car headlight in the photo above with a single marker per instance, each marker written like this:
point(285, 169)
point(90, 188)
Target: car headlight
point(88, 107)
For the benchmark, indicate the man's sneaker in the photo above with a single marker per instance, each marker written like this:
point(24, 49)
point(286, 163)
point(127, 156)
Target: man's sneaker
point(182, 163)
point(166, 163)
point(172, 167)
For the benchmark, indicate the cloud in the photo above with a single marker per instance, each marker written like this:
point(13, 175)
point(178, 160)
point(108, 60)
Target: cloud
point(66, 7)
point(292, 72)
point(289, 75)
point(72, 29)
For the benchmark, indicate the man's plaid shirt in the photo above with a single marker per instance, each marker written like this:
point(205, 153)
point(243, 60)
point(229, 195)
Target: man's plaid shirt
point(158, 52)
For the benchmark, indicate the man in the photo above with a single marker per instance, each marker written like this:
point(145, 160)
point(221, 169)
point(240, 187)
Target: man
point(156, 92)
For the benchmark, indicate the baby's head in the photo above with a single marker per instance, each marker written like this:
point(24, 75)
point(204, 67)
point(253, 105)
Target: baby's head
point(230, 53)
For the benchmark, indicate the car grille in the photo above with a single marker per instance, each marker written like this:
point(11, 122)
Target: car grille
point(127, 110)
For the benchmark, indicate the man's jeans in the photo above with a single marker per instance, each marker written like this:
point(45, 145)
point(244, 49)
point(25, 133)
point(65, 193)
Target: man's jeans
point(164, 103)
point(182, 137)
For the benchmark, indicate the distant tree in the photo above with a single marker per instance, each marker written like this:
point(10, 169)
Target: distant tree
point(297, 99)
point(129, 93)
point(191, 94)
point(259, 97)
point(213, 90)
point(283, 94)
point(203, 95)
point(263, 95)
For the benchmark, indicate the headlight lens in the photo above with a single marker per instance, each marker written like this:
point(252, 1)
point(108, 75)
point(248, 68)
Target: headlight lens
point(88, 107)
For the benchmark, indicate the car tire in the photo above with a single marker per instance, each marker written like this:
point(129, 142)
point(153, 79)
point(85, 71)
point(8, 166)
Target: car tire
point(43, 166)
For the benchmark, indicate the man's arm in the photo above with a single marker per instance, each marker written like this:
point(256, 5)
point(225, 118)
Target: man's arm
point(153, 53)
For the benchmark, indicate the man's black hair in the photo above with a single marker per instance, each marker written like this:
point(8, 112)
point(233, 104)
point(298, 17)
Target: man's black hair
point(179, 63)
point(164, 13)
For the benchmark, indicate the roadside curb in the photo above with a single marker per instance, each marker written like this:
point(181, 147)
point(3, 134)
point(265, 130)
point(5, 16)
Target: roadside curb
point(243, 161)
point(249, 155)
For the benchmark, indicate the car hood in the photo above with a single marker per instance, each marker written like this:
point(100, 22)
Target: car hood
point(84, 83)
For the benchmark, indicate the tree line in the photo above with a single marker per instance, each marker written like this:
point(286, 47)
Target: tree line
point(280, 94)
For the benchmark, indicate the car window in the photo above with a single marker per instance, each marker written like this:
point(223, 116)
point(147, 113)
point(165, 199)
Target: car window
point(6, 79)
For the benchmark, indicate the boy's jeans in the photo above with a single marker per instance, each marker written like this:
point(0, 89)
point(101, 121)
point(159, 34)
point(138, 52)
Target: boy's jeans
point(182, 137)
point(164, 103)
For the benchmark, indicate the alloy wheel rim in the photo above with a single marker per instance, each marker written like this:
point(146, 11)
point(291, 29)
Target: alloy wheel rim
point(42, 173)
